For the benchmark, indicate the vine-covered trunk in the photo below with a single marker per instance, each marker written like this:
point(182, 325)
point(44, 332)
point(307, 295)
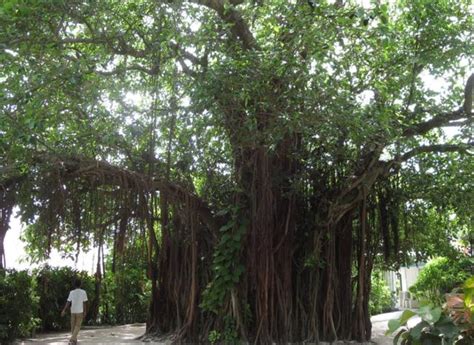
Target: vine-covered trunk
point(299, 282)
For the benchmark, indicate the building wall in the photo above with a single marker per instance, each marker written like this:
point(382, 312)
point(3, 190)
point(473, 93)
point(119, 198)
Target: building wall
point(400, 281)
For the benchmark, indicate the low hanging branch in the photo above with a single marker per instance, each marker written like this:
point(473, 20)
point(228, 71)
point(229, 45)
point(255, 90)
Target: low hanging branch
point(436, 122)
point(445, 119)
point(348, 199)
point(103, 173)
point(442, 148)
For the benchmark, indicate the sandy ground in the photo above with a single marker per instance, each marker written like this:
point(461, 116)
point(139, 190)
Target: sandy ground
point(380, 326)
point(125, 334)
point(128, 334)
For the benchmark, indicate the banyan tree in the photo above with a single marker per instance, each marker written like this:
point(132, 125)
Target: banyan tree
point(259, 147)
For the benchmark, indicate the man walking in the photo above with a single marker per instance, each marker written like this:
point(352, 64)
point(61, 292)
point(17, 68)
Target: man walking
point(77, 300)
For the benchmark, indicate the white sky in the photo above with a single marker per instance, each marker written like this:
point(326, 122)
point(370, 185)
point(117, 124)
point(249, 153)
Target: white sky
point(16, 256)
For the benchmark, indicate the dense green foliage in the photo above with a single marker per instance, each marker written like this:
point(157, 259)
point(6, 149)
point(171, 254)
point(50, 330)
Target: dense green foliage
point(53, 286)
point(264, 153)
point(18, 305)
point(439, 276)
point(32, 302)
point(126, 292)
point(381, 299)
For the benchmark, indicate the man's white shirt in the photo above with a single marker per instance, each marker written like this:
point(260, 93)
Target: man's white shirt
point(77, 298)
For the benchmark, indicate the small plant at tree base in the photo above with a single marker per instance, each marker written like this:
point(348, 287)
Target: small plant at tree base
point(214, 336)
point(230, 335)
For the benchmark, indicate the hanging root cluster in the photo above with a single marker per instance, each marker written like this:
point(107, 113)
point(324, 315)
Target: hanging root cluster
point(276, 267)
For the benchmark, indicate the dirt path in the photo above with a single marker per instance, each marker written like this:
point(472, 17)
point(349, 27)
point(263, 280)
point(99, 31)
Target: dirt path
point(128, 334)
point(380, 326)
point(125, 334)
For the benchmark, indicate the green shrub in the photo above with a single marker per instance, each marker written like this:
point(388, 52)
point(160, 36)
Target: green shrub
point(128, 295)
point(434, 328)
point(450, 325)
point(53, 286)
point(440, 276)
point(380, 299)
point(29, 302)
point(18, 305)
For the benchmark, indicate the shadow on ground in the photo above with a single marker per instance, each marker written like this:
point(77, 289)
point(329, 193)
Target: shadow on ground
point(128, 334)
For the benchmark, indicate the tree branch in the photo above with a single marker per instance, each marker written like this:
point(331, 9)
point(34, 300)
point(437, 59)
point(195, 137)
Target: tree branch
point(349, 198)
point(191, 57)
point(103, 173)
point(186, 69)
point(231, 16)
point(435, 122)
point(435, 148)
point(154, 70)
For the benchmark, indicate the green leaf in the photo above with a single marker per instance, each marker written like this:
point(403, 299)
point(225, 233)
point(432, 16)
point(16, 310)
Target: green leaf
point(430, 315)
point(225, 238)
point(469, 293)
point(469, 283)
point(393, 325)
point(446, 326)
point(406, 315)
point(227, 226)
point(415, 332)
point(222, 212)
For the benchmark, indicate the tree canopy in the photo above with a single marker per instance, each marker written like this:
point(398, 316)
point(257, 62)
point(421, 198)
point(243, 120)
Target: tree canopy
point(268, 151)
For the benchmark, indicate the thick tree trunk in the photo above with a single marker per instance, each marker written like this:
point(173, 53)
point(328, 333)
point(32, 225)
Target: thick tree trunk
point(294, 289)
point(344, 245)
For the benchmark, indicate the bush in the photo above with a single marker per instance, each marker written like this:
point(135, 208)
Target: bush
point(18, 305)
point(53, 286)
point(381, 299)
point(29, 302)
point(128, 295)
point(440, 276)
point(452, 324)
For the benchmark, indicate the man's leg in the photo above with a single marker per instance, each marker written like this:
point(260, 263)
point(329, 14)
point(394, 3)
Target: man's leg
point(77, 325)
point(73, 322)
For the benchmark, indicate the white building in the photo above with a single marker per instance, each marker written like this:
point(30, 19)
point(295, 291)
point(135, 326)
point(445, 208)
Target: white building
point(399, 282)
